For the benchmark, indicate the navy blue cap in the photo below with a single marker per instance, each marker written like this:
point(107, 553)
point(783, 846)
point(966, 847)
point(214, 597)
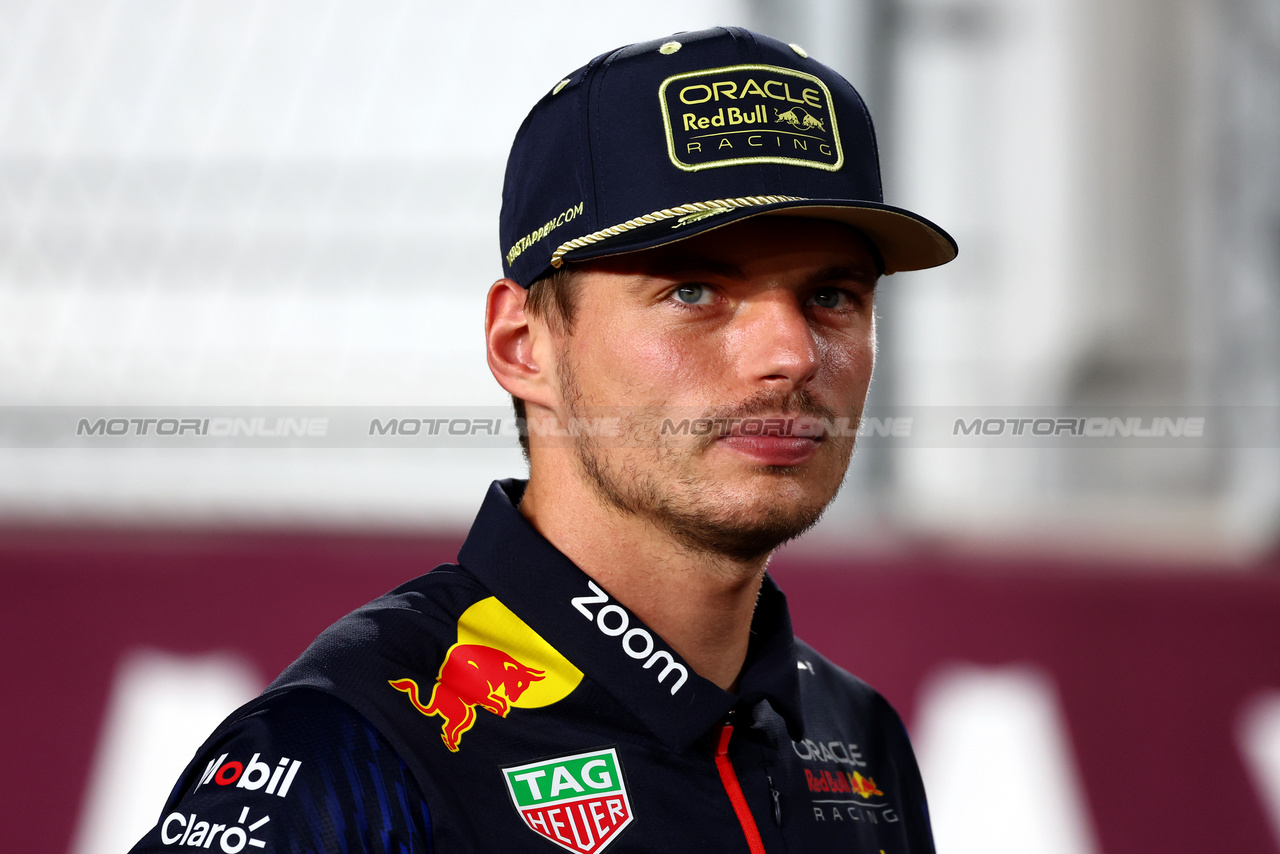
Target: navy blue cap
point(663, 140)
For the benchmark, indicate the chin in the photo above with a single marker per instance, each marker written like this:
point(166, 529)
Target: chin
point(747, 533)
point(749, 518)
point(807, 488)
point(714, 504)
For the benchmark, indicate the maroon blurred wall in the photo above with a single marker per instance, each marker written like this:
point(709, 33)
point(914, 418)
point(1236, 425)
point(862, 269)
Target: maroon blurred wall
point(1152, 666)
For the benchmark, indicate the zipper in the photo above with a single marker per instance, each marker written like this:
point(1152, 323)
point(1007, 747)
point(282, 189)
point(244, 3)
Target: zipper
point(730, 780)
point(777, 802)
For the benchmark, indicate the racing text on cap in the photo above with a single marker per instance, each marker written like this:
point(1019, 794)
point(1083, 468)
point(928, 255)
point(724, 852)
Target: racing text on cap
point(743, 114)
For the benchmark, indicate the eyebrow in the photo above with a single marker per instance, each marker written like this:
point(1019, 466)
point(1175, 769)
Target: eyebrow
point(847, 273)
point(684, 264)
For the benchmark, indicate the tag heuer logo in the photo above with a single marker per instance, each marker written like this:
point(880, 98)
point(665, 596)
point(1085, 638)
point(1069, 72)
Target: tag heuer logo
point(578, 802)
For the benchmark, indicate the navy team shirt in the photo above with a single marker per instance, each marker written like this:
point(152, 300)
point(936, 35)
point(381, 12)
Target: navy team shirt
point(508, 703)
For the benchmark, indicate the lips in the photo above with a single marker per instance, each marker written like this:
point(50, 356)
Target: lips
point(773, 450)
point(774, 440)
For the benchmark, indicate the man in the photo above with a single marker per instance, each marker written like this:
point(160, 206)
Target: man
point(692, 233)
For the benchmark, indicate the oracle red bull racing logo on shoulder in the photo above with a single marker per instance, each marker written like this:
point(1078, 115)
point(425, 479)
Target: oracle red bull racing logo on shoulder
point(498, 663)
point(579, 802)
point(841, 782)
point(843, 793)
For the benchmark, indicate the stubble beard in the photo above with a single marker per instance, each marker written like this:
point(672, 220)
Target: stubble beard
point(702, 515)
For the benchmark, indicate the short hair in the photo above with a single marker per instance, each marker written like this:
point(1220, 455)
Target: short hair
point(553, 298)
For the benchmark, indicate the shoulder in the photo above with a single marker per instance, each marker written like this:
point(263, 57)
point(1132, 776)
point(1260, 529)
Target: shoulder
point(318, 747)
point(832, 677)
point(301, 722)
point(299, 770)
point(432, 597)
point(855, 742)
point(395, 629)
point(830, 690)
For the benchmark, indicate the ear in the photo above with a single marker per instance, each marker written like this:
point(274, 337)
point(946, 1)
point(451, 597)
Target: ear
point(516, 345)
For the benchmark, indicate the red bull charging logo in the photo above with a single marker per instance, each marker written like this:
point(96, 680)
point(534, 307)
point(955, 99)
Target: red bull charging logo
point(498, 663)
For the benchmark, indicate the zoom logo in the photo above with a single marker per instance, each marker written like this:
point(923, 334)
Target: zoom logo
point(637, 642)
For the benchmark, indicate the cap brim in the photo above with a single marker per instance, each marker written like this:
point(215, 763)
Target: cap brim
point(906, 241)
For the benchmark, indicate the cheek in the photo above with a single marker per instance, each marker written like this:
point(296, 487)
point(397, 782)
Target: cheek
point(847, 363)
point(645, 365)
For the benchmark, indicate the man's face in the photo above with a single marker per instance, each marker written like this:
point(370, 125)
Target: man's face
point(765, 330)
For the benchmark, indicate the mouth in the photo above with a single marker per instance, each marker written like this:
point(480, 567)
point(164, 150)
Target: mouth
point(774, 440)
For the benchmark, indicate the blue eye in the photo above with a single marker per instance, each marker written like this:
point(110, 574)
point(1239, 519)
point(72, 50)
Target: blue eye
point(830, 298)
point(693, 294)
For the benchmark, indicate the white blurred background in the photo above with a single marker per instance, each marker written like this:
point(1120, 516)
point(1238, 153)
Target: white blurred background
point(289, 203)
point(270, 203)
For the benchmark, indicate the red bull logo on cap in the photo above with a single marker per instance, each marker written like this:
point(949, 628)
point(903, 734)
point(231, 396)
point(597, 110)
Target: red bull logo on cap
point(498, 663)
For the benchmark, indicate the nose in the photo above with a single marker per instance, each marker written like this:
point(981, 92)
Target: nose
point(777, 343)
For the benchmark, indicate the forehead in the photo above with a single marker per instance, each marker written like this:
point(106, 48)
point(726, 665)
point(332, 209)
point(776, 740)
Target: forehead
point(766, 245)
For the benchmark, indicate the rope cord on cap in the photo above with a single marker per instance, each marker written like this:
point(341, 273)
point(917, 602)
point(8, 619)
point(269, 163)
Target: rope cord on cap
point(557, 257)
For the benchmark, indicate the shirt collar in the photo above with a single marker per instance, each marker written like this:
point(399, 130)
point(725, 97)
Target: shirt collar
point(630, 661)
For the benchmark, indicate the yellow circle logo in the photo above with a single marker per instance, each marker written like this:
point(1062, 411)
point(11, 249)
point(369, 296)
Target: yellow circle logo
point(491, 624)
point(497, 663)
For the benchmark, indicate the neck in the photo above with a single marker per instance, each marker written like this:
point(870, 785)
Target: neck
point(701, 604)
